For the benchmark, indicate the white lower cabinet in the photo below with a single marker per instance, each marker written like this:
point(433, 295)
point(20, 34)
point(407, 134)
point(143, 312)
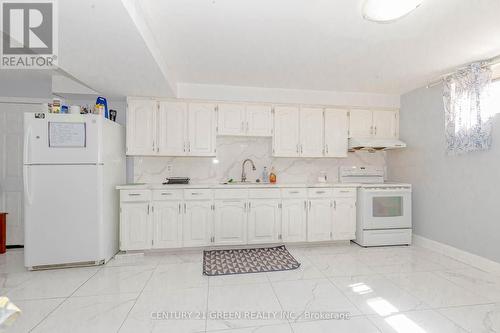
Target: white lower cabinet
point(196, 223)
point(264, 221)
point(344, 218)
point(135, 226)
point(167, 224)
point(294, 220)
point(230, 222)
point(319, 220)
point(176, 218)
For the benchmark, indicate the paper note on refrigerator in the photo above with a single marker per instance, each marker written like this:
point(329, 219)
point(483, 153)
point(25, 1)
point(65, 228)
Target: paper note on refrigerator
point(66, 135)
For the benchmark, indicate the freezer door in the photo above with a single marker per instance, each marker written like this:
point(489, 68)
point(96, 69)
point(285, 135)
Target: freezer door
point(62, 214)
point(62, 138)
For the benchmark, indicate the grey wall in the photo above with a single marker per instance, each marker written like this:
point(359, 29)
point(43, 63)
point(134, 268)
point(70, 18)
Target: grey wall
point(455, 198)
point(25, 83)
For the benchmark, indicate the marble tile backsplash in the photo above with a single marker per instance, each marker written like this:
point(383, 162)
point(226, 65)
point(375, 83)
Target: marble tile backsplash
point(231, 151)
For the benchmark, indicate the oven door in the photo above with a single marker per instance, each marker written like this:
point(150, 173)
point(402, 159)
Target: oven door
point(386, 208)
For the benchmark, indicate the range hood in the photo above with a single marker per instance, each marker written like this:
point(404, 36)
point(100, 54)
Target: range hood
point(374, 144)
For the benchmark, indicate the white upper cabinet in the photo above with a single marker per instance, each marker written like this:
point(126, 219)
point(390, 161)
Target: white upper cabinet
point(172, 126)
point(201, 133)
point(244, 120)
point(141, 128)
point(259, 121)
point(263, 221)
point(382, 124)
point(231, 119)
point(336, 128)
point(385, 124)
point(361, 123)
point(286, 131)
point(311, 132)
point(230, 224)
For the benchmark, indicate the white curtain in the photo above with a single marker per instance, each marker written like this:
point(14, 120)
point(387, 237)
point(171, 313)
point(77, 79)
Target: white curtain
point(467, 115)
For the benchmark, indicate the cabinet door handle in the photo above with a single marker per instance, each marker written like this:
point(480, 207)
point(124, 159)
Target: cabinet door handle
point(297, 148)
point(179, 208)
point(334, 204)
point(134, 194)
point(305, 205)
point(189, 146)
point(196, 193)
point(344, 191)
point(166, 193)
point(375, 130)
point(185, 208)
point(326, 149)
point(153, 146)
point(320, 192)
point(294, 192)
point(309, 205)
point(249, 206)
point(301, 149)
point(184, 147)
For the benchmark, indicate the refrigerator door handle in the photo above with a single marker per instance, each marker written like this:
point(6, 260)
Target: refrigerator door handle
point(27, 145)
point(27, 187)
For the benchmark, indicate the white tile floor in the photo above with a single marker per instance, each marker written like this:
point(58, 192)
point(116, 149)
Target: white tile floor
point(395, 289)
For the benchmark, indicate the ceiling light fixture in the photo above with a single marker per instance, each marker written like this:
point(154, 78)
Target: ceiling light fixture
point(385, 11)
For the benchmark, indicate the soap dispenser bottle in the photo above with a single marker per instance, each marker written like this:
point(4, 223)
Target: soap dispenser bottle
point(272, 176)
point(265, 175)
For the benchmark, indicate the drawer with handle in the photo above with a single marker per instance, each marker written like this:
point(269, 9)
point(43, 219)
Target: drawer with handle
point(135, 195)
point(163, 195)
point(294, 193)
point(320, 192)
point(344, 192)
point(198, 194)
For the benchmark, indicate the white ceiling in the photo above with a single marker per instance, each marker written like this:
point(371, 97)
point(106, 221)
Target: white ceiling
point(319, 44)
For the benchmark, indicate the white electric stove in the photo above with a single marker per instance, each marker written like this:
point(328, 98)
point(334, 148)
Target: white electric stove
point(383, 208)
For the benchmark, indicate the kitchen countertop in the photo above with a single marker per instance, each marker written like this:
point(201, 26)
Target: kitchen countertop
point(226, 186)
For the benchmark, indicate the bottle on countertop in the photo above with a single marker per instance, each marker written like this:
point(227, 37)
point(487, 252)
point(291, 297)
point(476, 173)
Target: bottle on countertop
point(272, 176)
point(265, 175)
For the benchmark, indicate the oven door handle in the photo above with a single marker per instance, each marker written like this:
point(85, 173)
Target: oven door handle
point(387, 190)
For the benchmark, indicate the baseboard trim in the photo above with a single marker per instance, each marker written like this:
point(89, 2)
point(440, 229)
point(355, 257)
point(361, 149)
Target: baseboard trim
point(460, 255)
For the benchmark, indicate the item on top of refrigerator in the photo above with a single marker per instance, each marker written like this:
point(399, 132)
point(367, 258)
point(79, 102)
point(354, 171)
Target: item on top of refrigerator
point(272, 176)
point(112, 115)
point(64, 109)
point(75, 109)
point(102, 101)
point(56, 106)
point(176, 180)
point(265, 175)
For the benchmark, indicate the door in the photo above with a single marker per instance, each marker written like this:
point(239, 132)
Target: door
point(344, 219)
point(201, 124)
point(135, 226)
point(385, 124)
point(11, 167)
point(63, 213)
point(336, 128)
point(259, 120)
point(231, 119)
point(360, 123)
point(311, 132)
point(386, 208)
point(172, 123)
point(141, 129)
point(167, 224)
point(286, 131)
point(230, 222)
point(263, 221)
point(293, 220)
point(319, 226)
point(62, 138)
point(197, 223)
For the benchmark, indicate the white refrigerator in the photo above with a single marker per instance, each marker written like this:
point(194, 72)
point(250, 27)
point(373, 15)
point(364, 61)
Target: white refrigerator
point(72, 164)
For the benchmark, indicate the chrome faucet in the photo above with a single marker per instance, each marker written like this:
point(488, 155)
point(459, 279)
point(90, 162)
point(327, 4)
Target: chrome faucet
point(243, 174)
